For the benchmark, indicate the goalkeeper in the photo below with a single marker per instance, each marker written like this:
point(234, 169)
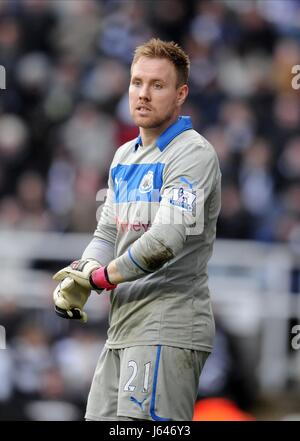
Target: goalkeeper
point(150, 252)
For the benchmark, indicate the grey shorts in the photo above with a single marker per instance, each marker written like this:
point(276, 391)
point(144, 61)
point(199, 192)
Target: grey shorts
point(156, 383)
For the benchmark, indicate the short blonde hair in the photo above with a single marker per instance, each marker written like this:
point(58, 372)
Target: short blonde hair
point(156, 48)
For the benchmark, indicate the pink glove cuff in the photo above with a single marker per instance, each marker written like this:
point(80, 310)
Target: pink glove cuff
point(99, 278)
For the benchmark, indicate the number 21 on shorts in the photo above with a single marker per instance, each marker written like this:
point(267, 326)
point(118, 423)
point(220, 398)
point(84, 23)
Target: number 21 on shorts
point(132, 365)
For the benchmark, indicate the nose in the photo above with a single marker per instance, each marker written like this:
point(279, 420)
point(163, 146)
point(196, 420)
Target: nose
point(144, 93)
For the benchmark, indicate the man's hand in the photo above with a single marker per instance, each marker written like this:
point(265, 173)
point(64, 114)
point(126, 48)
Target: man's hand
point(69, 299)
point(89, 274)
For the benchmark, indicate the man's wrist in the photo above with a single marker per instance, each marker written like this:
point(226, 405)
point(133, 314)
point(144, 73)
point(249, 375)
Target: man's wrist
point(113, 274)
point(107, 276)
point(99, 279)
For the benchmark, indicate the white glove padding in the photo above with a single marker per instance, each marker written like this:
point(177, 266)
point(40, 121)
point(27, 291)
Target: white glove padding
point(69, 299)
point(79, 271)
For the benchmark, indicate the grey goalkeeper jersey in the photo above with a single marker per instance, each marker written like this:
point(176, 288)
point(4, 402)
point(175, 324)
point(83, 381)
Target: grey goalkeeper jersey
point(159, 223)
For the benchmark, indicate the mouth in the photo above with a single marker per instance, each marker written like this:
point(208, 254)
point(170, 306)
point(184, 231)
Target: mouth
point(142, 108)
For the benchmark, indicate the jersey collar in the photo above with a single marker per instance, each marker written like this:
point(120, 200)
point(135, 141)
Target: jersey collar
point(182, 124)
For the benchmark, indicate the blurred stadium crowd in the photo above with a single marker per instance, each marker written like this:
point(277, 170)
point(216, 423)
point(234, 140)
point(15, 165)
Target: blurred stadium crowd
point(64, 112)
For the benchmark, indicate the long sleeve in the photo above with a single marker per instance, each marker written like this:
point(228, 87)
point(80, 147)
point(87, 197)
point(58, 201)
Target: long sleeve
point(189, 179)
point(99, 250)
point(102, 246)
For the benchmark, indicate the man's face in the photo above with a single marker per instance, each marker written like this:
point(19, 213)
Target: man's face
point(154, 99)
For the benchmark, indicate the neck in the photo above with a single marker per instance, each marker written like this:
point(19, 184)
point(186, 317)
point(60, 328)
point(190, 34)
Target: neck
point(149, 135)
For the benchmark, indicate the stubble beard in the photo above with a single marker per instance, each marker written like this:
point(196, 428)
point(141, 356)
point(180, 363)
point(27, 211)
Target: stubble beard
point(152, 122)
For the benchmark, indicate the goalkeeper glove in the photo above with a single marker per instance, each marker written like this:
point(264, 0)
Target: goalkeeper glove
point(69, 298)
point(87, 273)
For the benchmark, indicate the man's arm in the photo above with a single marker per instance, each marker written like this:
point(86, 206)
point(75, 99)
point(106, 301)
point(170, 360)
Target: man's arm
point(101, 247)
point(100, 250)
point(197, 174)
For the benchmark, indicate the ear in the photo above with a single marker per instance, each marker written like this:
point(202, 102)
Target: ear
point(182, 94)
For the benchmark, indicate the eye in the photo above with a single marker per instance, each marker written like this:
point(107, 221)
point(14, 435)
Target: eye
point(158, 86)
point(136, 82)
